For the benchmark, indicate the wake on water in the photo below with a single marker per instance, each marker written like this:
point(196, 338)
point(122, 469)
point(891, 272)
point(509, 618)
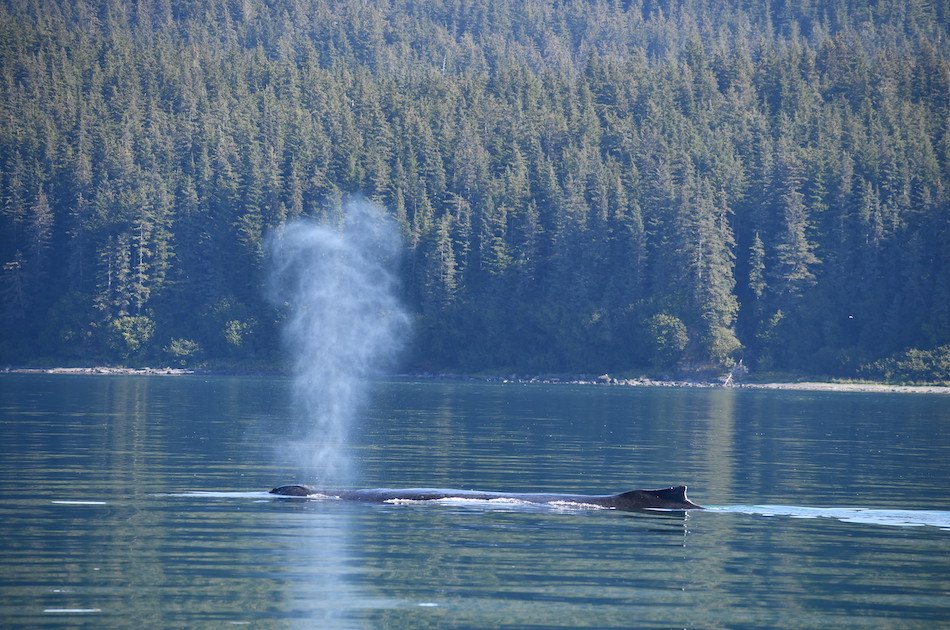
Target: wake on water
point(866, 516)
point(861, 515)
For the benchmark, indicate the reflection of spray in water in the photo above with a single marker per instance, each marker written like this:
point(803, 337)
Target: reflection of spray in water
point(344, 323)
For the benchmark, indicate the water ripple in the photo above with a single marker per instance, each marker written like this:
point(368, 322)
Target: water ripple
point(866, 516)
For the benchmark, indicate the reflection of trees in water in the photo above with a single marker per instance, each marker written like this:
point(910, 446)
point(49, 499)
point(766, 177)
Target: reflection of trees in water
point(173, 561)
point(718, 447)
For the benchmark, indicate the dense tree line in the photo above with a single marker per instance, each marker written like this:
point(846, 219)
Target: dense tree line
point(582, 185)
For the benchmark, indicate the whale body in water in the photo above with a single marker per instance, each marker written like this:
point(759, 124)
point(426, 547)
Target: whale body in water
point(672, 498)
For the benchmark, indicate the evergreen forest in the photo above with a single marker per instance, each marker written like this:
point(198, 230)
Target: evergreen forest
point(582, 185)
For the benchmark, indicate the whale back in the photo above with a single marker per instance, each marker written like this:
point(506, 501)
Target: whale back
point(672, 498)
point(292, 491)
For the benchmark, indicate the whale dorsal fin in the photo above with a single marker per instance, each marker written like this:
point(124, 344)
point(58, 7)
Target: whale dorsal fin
point(672, 497)
point(673, 493)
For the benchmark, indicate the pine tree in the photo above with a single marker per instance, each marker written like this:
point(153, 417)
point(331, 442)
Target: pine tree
point(795, 258)
point(757, 273)
point(441, 270)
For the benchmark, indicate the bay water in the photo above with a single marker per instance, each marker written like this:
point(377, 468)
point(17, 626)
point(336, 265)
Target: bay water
point(135, 499)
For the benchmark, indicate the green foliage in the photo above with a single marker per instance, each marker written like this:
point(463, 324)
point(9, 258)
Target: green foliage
point(773, 177)
point(230, 329)
point(668, 339)
point(236, 332)
point(183, 351)
point(71, 327)
point(723, 346)
point(129, 335)
point(771, 341)
point(912, 366)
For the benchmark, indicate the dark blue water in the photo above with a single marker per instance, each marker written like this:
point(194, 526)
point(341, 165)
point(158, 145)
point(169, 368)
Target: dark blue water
point(140, 499)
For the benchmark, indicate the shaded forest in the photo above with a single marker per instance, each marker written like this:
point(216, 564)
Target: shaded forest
point(582, 185)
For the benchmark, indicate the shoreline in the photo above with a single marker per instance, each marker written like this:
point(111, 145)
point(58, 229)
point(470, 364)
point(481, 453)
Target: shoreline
point(870, 388)
point(608, 381)
point(603, 380)
point(104, 370)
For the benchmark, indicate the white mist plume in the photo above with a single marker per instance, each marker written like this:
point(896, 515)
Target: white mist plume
point(344, 324)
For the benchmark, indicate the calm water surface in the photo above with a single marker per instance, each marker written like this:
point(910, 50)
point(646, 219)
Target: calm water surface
point(139, 499)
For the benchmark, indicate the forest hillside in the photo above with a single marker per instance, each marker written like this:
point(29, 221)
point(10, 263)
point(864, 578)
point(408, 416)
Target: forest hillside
point(582, 185)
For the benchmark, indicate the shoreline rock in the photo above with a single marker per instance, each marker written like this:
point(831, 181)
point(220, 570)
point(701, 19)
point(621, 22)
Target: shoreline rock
point(603, 380)
point(103, 370)
point(883, 388)
point(609, 381)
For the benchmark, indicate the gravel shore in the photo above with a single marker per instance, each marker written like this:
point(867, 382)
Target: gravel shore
point(603, 379)
point(144, 371)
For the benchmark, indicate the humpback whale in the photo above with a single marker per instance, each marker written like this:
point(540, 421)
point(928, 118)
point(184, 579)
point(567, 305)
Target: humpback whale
point(672, 498)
